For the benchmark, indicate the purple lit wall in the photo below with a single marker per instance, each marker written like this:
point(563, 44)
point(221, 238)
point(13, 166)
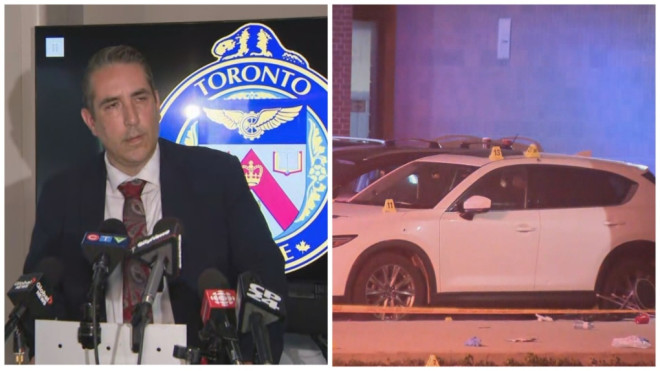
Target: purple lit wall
point(578, 78)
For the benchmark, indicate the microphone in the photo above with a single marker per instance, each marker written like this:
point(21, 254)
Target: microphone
point(32, 294)
point(219, 318)
point(257, 307)
point(162, 251)
point(164, 244)
point(104, 249)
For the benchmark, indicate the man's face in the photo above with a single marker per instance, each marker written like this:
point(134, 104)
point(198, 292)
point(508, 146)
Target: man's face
point(125, 117)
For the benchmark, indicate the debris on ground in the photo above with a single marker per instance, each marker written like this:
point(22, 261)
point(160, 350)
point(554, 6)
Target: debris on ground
point(583, 325)
point(542, 318)
point(632, 341)
point(523, 340)
point(473, 342)
point(642, 319)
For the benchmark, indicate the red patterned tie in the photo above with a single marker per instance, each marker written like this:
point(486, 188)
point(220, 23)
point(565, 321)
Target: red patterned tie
point(135, 273)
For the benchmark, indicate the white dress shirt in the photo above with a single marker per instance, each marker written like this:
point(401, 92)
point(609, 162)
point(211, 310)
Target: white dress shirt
point(114, 204)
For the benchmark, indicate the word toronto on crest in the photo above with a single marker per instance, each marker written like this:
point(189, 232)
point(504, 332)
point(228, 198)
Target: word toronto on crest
point(263, 103)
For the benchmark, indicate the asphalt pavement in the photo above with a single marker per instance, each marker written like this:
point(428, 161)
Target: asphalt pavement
point(388, 342)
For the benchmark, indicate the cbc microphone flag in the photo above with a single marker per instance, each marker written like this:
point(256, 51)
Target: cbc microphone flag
point(217, 299)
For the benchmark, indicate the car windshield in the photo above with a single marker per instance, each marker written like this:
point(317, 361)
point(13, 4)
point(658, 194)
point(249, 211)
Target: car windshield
point(417, 185)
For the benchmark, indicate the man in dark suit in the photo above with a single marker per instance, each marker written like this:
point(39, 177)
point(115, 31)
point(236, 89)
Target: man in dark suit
point(203, 188)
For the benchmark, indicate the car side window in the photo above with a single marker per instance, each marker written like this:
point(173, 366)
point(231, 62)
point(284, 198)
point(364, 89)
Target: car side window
point(364, 180)
point(506, 188)
point(418, 185)
point(424, 187)
point(571, 187)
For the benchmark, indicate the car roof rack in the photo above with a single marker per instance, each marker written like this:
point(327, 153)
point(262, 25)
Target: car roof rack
point(342, 141)
point(521, 143)
point(471, 141)
point(450, 141)
point(426, 143)
point(456, 140)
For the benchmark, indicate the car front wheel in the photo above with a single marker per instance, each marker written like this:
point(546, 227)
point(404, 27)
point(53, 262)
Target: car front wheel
point(389, 280)
point(630, 284)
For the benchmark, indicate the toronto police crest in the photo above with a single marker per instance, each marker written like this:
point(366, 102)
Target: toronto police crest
point(265, 105)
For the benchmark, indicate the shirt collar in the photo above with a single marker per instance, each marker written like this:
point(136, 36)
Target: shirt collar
point(150, 172)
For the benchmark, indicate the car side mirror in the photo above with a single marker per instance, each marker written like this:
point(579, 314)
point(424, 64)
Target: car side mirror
point(474, 205)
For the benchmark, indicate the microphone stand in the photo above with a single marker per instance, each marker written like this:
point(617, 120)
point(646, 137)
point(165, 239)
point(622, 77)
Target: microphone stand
point(13, 323)
point(96, 329)
point(261, 341)
point(142, 311)
point(234, 350)
point(222, 341)
point(20, 347)
point(89, 310)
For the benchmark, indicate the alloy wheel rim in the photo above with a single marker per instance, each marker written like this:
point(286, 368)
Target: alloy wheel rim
point(390, 286)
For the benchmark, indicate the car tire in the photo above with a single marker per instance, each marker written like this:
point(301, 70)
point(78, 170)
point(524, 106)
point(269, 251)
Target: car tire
point(629, 283)
point(389, 280)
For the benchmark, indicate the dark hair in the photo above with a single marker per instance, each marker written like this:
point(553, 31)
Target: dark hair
point(106, 57)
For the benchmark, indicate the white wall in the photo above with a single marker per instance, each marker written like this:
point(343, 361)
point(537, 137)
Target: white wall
point(19, 140)
point(20, 20)
point(579, 77)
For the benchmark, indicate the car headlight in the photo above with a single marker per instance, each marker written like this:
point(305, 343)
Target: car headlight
point(340, 240)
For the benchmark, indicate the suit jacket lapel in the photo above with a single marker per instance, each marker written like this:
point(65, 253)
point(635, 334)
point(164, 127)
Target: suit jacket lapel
point(172, 181)
point(92, 198)
point(92, 203)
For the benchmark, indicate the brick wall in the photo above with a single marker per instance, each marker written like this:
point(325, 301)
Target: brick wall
point(342, 29)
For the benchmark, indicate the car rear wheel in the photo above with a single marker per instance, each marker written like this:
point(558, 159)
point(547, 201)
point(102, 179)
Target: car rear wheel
point(389, 280)
point(630, 284)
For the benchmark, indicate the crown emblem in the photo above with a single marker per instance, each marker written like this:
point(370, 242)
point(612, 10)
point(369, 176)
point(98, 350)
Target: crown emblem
point(253, 173)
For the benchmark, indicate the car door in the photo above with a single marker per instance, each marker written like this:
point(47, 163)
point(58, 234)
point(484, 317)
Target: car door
point(579, 213)
point(496, 250)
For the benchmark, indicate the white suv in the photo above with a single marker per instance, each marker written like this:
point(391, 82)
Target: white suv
point(553, 230)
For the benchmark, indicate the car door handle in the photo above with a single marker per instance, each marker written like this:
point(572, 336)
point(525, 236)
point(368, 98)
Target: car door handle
point(524, 228)
point(610, 223)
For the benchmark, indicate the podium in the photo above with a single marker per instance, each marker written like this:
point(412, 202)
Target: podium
point(56, 342)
